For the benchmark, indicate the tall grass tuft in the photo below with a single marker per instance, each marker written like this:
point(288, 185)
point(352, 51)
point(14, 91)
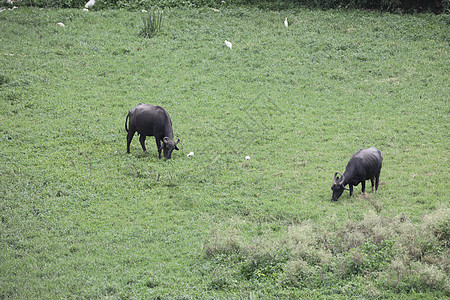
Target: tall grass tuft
point(151, 24)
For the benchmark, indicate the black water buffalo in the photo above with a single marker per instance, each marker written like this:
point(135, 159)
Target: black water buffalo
point(364, 165)
point(151, 120)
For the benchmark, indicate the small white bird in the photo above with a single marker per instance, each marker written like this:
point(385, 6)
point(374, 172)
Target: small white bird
point(89, 4)
point(286, 23)
point(247, 157)
point(190, 154)
point(144, 11)
point(229, 44)
point(60, 24)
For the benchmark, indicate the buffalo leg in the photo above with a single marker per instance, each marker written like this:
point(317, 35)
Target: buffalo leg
point(158, 145)
point(363, 186)
point(377, 181)
point(351, 189)
point(371, 181)
point(129, 138)
point(142, 140)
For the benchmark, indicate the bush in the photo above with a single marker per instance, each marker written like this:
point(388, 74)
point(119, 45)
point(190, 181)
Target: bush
point(222, 243)
point(437, 6)
point(52, 3)
point(386, 252)
point(264, 265)
point(368, 258)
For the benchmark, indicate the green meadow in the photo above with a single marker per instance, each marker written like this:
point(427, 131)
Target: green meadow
point(80, 218)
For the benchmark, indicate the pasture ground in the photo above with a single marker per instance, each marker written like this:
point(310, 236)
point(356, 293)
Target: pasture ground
point(81, 219)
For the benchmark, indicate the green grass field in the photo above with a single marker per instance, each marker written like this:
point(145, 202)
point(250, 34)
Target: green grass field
point(82, 219)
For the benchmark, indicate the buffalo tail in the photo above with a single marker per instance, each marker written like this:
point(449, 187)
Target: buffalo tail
point(126, 120)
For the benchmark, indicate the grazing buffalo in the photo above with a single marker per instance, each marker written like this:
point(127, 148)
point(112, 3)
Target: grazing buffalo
point(364, 165)
point(151, 120)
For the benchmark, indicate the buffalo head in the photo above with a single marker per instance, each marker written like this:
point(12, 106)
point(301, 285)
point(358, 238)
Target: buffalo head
point(338, 186)
point(168, 146)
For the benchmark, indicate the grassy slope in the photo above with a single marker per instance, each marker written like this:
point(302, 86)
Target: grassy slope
point(79, 217)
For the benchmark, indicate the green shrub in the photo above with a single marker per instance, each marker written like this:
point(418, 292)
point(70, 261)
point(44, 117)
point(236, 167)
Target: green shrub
point(268, 265)
point(442, 232)
point(368, 258)
point(389, 5)
point(53, 3)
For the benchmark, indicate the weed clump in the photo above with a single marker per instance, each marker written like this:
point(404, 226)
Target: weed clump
point(224, 243)
point(151, 24)
point(3, 79)
point(384, 252)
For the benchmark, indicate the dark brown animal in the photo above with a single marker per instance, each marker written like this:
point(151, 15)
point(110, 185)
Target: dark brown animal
point(365, 164)
point(151, 120)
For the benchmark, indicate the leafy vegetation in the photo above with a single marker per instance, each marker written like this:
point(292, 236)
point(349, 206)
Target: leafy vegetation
point(437, 6)
point(82, 219)
point(391, 252)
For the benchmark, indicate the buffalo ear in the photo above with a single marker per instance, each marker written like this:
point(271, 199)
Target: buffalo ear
point(176, 148)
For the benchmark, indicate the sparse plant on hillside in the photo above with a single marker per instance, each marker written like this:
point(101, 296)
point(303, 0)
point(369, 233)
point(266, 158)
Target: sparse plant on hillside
point(151, 23)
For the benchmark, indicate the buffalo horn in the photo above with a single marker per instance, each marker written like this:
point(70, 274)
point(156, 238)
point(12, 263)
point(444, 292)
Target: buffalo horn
point(335, 175)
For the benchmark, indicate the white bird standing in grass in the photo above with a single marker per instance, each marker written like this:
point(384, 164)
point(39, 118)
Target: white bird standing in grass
point(60, 24)
point(286, 23)
point(229, 44)
point(90, 4)
point(190, 154)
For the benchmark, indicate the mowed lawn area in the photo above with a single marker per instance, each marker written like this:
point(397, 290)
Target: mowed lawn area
point(80, 218)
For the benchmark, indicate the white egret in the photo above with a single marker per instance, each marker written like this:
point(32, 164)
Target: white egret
point(190, 154)
point(89, 4)
point(247, 157)
point(60, 24)
point(229, 44)
point(286, 23)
